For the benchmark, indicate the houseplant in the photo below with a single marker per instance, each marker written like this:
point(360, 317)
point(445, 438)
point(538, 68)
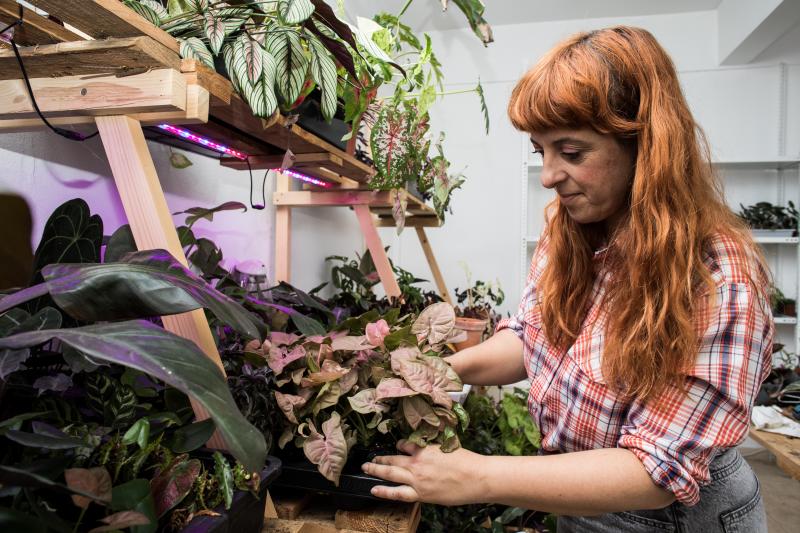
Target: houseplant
point(108, 420)
point(781, 305)
point(767, 219)
point(475, 310)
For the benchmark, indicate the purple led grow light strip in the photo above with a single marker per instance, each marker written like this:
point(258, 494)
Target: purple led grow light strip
point(303, 177)
point(202, 141)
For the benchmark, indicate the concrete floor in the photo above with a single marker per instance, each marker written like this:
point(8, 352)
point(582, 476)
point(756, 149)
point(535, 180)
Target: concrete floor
point(780, 492)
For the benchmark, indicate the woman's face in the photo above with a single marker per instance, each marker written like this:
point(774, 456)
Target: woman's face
point(591, 172)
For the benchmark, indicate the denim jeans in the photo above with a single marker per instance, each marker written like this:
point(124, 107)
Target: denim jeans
point(730, 503)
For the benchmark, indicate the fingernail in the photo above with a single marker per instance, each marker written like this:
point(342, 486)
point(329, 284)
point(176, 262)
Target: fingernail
point(373, 491)
point(364, 466)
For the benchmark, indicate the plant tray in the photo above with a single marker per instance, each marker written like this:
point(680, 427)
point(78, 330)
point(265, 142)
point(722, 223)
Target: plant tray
point(246, 514)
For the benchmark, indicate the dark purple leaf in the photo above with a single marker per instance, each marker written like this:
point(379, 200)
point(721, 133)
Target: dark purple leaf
point(173, 483)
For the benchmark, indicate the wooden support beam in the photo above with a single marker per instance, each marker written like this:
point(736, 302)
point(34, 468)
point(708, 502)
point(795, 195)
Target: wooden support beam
point(36, 29)
point(380, 200)
point(151, 223)
point(150, 92)
point(412, 221)
point(283, 232)
point(103, 19)
point(111, 56)
point(437, 274)
point(375, 246)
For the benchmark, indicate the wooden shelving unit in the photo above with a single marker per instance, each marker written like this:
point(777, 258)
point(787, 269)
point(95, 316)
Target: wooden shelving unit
point(128, 75)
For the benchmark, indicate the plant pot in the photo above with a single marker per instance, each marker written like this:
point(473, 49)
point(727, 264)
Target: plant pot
point(474, 327)
point(246, 514)
point(311, 120)
point(787, 309)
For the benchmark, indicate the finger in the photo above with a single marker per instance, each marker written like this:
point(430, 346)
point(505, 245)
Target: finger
point(392, 460)
point(407, 447)
point(389, 473)
point(403, 493)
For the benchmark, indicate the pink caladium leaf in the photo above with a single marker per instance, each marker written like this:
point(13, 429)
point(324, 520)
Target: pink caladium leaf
point(435, 323)
point(376, 332)
point(95, 481)
point(121, 520)
point(442, 368)
point(278, 358)
point(288, 403)
point(426, 379)
point(349, 380)
point(173, 483)
point(350, 343)
point(366, 401)
point(402, 356)
point(330, 371)
point(422, 436)
point(328, 396)
point(416, 409)
point(393, 388)
point(279, 338)
point(327, 450)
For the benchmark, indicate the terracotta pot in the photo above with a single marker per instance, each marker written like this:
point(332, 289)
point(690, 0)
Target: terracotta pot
point(474, 328)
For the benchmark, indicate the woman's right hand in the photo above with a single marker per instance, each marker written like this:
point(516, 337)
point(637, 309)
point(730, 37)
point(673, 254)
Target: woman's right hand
point(496, 361)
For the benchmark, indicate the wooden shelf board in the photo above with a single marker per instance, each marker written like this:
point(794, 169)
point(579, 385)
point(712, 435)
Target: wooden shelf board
point(111, 56)
point(380, 202)
point(413, 221)
point(785, 449)
point(36, 28)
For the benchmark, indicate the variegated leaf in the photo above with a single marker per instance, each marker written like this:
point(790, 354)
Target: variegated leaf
point(323, 72)
point(214, 26)
point(296, 11)
point(416, 409)
point(200, 6)
point(228, 53)
point(251, 53)
point(194, 48)
point(268, 81)
point(146, 11)
point(328, 450)
point(291, 63)
point(366, 401)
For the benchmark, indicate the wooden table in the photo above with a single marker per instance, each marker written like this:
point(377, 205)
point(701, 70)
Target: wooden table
point(786, 450)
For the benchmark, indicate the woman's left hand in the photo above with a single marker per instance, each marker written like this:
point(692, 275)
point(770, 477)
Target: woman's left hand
point(429, 475)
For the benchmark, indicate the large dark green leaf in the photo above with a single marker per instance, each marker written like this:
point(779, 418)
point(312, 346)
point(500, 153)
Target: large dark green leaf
point(71, 235)
point(324, 13)
point(148, 283)
point(46, 318)
point(306, 325)
point(135, 496)
point(120, 244)
point(191, 437)
point(50, 442)
point(172, 359)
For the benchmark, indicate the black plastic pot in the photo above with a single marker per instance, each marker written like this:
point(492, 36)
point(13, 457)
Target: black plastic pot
point(311, 120)
point(246, 514)
point(354, 487)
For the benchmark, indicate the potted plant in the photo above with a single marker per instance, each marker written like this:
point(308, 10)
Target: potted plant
point(96, 422)
point(475, 309)
point(780, 304)
point(767, 219)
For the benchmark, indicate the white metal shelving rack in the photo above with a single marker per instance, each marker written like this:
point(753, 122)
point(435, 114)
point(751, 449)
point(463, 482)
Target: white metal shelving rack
point(785, 167)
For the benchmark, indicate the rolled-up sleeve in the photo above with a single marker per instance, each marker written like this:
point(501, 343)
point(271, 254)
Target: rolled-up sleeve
point(677, 436)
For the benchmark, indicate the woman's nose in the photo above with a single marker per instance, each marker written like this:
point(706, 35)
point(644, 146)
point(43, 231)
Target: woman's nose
point(551, 174)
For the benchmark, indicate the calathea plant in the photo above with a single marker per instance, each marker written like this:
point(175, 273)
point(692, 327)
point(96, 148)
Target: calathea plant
point(371, 382)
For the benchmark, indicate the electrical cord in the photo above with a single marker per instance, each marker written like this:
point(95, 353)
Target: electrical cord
point(263, 204)
point(69, 134)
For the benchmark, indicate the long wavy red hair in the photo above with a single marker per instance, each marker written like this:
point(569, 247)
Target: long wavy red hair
point(620, 81)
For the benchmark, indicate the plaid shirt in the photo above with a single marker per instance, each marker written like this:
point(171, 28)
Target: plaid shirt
point(576, 410)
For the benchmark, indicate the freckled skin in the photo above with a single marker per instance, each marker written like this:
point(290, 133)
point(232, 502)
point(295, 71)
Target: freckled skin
point(591, 173)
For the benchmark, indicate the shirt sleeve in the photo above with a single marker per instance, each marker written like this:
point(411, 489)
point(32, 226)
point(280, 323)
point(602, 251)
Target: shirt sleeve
point(517, 321)
point(677, 437)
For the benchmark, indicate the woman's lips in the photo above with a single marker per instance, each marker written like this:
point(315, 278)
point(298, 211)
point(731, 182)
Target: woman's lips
point(566, 199)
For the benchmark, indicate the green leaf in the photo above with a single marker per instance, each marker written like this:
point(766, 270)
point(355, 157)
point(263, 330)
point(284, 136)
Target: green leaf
point(15, 422)
point(214, 27)
point(49, 442)
point(145, 9)
point(224, 475)
point(207, 213)
point(172, 359)
point(21, 477)
point(13, 520)
point(139, 433)
point(194, 48)
point(291, 63)
point(249, 58)
point(192, 437)
point(484, 109)
point(179, 161)
point(135, 496)
point(45, 318)
point(268, 78)
point(323, 72)
point(296, 11)
point(120, 243)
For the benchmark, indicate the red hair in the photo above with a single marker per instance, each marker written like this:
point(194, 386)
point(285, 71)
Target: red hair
point(620, 81)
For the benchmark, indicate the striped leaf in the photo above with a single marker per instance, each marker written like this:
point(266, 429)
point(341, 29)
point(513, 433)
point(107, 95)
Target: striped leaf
point(194, 48)
point(323, 72)
point(228, 54)
point(233, 18)
point(291, 62)
point(215, 30)
point(145, 11)
point(251, 53)
point(201, 6)
point(255, 97)
point(268, 81)
point(296, 11)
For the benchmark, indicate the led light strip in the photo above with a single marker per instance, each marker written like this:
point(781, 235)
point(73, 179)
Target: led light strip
point(202, 141)
point(303, 177)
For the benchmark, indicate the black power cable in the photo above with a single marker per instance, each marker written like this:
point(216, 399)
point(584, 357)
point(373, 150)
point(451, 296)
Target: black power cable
point(69, 134)
point(263, 187)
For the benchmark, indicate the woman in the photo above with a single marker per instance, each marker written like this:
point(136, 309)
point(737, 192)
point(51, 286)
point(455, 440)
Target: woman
point(644, 327)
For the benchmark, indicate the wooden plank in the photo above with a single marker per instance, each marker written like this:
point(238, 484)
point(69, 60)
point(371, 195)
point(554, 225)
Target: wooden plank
point(786, 450)
point(112, 56)
point(218, 86)
point(437, 274)
point(196, 112)
point(151, 224)
point(377, 251)
point(290, 507)
point(380, 201)
point(36, 29)
point(150, 92)
point(412, 221)
point(104, 19)
point(390, 518)
point(283, 232)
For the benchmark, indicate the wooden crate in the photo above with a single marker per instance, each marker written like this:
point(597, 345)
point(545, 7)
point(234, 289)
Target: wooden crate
point(313, 513)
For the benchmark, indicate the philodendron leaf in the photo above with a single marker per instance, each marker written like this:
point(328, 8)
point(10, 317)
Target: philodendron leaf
point(193, 436)
point(327, 450)
point(95, 481)
point(435, 322)
point(148, 283)
point(121, 520)
point(177, 361)
point(120, 244)
point(173, 483)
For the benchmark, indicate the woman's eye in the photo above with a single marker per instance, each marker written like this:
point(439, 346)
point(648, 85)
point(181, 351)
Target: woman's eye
point(571, 156)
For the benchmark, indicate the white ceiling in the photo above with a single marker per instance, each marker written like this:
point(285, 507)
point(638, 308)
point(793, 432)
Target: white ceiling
point(427, 14)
